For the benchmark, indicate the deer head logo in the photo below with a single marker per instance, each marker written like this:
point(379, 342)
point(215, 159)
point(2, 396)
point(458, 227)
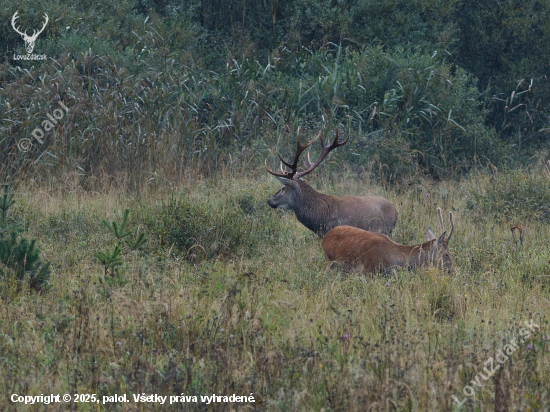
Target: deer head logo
point(29, 40)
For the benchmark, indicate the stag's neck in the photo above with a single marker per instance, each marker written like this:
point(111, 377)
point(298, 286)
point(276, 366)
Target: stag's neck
point(314, 210)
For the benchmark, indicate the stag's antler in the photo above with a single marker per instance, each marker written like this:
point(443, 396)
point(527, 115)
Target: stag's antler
point(452, 226)
point(300, 148)
point(440, 216)
point(324, 152)
point(294, 165)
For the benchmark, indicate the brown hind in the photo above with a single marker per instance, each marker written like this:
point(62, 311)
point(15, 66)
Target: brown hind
point(363, 251)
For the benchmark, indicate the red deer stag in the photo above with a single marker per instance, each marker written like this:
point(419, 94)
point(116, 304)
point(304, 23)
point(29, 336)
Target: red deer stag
point(362, 251)
point(319, 212)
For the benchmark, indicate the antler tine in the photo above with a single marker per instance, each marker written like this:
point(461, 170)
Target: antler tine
point(440, 220)
point(324, 152)
point(301, 147)
point(294, 165)
point(320, 137)
point(275, 173)
point(452, 225)
point(299, 150)
point(283, 161)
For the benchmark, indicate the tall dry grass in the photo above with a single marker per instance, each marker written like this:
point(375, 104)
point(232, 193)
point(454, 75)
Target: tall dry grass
point(262, 314)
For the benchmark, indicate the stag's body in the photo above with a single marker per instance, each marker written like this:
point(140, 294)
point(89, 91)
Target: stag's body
point(319, 212)
point(362, 251)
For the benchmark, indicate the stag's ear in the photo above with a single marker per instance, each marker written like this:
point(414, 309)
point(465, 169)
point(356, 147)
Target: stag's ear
point(441, 238)
point(287, 182)
point(429, 234)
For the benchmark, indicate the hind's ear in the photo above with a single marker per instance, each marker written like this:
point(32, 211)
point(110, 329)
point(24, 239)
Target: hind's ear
point(429, 234)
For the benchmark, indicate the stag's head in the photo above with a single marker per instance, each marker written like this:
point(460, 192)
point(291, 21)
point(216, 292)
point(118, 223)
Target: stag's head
point(29, 40)
point(438, 252)
point(286, 198)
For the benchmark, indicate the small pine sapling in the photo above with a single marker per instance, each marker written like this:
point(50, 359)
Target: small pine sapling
point(111, 260)
point(5, 203)
point(19, 257)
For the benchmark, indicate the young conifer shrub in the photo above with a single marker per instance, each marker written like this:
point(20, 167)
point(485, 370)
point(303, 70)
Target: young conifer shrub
point(19, 257)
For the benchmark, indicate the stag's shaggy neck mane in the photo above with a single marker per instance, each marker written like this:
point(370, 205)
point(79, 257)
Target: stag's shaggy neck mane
point(315, 207)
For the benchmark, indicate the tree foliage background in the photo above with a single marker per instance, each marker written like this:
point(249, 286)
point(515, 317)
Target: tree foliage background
point(423, 86)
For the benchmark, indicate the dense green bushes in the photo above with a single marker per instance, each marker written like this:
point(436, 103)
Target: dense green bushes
point(150, 83)
point(201, 229)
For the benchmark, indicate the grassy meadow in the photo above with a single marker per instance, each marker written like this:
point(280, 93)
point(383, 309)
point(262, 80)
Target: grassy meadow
point(242, 303)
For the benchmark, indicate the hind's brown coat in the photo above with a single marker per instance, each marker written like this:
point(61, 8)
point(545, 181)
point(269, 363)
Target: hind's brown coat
point(363, 251)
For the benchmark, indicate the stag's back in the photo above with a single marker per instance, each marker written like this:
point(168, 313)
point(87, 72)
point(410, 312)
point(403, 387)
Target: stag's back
point(373, 213)
point(320, 213)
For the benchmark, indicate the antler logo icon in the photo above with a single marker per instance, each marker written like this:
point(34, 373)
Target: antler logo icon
point(29, 40)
